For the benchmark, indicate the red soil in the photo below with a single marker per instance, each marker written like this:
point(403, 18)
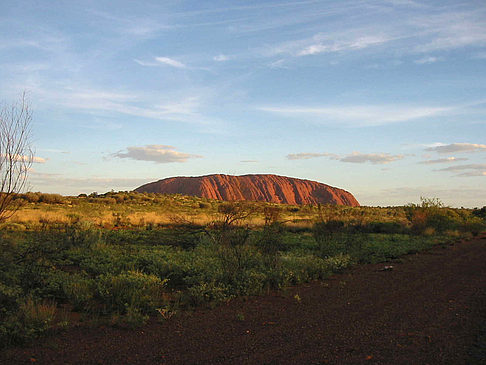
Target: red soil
point(268, 188)
point(429, 309)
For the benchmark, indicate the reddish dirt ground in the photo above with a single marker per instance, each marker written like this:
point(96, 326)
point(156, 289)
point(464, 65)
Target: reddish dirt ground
point(430, 309)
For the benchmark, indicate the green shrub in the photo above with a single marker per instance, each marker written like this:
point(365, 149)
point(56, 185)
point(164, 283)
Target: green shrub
point(474, 225)
point(329, 237)
point(32, 319)
point(299, 269)
point(80, 291)
point(270, 241)
point(131, 288)
point(481, 213)
point(207, 293)
point(339, 262)
point(82, 233)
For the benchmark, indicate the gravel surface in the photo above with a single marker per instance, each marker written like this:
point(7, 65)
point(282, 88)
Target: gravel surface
point(428, 308)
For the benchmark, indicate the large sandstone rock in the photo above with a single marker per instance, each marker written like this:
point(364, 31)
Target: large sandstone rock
point(268, 188)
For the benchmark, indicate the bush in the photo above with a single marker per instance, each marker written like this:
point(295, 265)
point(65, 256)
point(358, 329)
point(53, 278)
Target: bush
point(480, 213)
point(80, 291)
point(384, 227)
point(205, 293)
point(130, 289)
point(270, 241)
point(329, 237)
point(431, 213)
point(474, 225)
point(300, 269)
point(82, 233)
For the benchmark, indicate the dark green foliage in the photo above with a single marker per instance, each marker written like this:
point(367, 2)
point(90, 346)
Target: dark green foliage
point(481, 213)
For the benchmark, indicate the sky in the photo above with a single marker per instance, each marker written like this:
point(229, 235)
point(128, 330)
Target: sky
point(385, 99)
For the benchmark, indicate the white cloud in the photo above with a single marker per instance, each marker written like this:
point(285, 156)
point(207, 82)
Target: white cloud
point(327, 45)
point(146, 105)
point(479, 167)
point(357, 115)
point(170, 62)
point(354, 157)
point(36, 159)
point(457, 147)
point(58, 183)
point(349, 40)
point(280, 63)
point(155, 153)
point(221, 58)
point(374, 158)
point(442, 160)
point(470, 170)
point(27, 159)
point(307, 156)
point(452, 29)
point(161, 61)
point(427, 60)
point(473, 173)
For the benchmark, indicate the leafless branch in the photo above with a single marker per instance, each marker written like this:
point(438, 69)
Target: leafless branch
point(16, 154)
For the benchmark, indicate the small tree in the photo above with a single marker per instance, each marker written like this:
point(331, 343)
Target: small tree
point(16, 154)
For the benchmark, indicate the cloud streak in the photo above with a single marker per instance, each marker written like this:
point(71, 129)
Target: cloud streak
point(155, 153)
point(307, 156)
point(358, 115)
point(442, 160)
point(354, 157)
point(470, 170)
point(374, 158)
point(161, 61)
point(457, 148)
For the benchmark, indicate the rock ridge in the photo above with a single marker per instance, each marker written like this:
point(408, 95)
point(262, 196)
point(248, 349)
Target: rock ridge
point(259, 187)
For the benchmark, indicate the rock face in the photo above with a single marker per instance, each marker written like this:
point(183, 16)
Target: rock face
point(268, 188)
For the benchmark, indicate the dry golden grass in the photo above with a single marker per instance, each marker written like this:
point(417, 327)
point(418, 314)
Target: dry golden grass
point(167, 210)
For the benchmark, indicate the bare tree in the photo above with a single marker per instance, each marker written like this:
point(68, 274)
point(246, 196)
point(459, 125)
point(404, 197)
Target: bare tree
point(16, 155)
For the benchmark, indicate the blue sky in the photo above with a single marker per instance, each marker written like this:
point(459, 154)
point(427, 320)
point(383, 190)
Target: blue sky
point(386, 99)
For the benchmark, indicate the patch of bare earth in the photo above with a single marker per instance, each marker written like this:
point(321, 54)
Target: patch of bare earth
point(429, 309)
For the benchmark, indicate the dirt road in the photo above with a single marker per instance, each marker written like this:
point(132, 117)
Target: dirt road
point(429, 309)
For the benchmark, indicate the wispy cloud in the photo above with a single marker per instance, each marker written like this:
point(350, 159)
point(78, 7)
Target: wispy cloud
point(442, 160)
point(221, 58)
point(473, 173)
point(307, 156)
point(133, 26)
point(457, 147)
point(374, 158)
point(249, 161)
point(427, 60)
point(469, 170)
point(354, 157)
point(161, 61)
point(327, 45)
point(155, 153)
point(479, 166)
point(59, 183)
point(170, 62)
point(26, 159)
point(140, 104)
point(37, 159)
point(451, 29)
point(330, 43)
point(357, 115)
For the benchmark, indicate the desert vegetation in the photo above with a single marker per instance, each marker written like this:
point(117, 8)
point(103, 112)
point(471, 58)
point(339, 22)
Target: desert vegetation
point(122, 258)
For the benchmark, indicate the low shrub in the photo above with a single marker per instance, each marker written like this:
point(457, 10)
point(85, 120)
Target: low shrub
point(130, 289)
